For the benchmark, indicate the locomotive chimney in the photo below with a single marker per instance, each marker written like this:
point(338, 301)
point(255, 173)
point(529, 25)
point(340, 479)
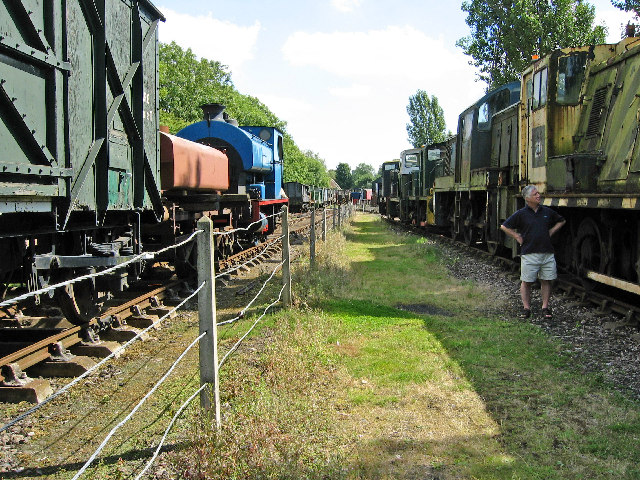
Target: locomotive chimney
point(213, 112)
point(630, 30)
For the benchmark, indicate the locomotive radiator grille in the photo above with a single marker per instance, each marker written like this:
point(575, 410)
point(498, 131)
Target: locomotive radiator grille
point(597, 112)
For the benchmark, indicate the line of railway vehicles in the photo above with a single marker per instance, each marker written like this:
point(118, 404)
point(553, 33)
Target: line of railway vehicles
point(303, 198)
point(85, 180)
point(571, 128)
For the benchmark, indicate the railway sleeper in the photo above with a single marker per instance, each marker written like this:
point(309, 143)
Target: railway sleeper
point(99, 349)
point(18, 387)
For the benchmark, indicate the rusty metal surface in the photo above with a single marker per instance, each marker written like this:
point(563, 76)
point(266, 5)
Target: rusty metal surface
point(187, 165)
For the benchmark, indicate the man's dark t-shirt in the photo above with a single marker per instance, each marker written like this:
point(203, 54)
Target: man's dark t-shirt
point(534, 228)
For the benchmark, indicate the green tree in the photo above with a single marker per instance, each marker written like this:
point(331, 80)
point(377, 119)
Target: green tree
point(427, 120)
point(506, 33)
point(186, 83)
point(362, 176)
point(343, 175)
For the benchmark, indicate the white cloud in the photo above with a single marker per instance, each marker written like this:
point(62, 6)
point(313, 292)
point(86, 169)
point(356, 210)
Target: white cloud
point(615, 20)
point(352, 91)
point(393, 63)
point(211, 38)
point(345, 5)
point(395, 52)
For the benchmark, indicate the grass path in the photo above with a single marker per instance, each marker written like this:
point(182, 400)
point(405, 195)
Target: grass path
point(458, 394)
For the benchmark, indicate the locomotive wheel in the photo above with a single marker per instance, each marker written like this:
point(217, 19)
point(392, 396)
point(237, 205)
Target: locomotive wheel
point(589, 250)
point(78, 300)
point(494, 247)
point(469, 230)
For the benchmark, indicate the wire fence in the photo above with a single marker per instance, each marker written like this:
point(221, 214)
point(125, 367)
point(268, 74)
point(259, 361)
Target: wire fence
point(207, 341)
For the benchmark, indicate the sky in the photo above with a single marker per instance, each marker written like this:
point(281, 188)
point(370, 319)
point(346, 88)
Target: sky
point(340, 72)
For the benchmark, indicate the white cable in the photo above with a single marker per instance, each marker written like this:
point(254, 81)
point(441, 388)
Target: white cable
point(231, 270)
point(244, 310)
point(135, 409)
point(97, 365)
point(234, 348)
point(166, 432)
point(142, 256)
point(221, 234)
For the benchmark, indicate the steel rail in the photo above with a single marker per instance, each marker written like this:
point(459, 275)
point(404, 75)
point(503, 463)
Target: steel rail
point(39, 351)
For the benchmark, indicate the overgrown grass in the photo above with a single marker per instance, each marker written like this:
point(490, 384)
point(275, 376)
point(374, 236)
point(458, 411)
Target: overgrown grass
point(345, 385)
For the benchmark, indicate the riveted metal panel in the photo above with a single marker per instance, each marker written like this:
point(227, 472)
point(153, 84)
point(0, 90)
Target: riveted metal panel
point(78, 95)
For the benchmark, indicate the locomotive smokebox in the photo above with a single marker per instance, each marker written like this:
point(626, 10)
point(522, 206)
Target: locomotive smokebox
point(213, 112)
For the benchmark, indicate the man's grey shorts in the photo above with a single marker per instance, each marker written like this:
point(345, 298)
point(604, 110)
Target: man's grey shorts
point(538, 265)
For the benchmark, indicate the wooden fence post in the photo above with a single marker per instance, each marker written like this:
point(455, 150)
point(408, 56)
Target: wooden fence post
point(286, 266)
point(339, 216)
point(207, 315)
point(333, 216)
point(324, 225)
point(312, 239)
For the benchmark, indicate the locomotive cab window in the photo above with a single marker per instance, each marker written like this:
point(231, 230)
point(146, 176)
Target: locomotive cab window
point(570, 77)
point(497, 102)
point(411, 161)
point(539, 89)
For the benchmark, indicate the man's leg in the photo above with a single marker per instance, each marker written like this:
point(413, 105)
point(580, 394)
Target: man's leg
point(525, 294)
point(545, 292)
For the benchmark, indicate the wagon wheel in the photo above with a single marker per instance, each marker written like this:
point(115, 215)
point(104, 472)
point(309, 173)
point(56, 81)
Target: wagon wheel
point(78, 301)
point(186, 261)
point(589, 251)
point(469, 230)
point(494, 247)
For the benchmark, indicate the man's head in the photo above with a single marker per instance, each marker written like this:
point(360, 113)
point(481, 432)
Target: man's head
point(531, 195)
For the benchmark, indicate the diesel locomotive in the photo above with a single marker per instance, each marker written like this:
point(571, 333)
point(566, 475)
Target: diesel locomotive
point(87, 181)
point(570, 127)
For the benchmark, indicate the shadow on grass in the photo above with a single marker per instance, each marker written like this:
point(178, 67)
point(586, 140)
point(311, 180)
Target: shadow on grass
point(557, 420)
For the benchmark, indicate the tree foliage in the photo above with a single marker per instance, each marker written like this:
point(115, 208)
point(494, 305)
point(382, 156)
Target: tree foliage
point(427, 120)
point(506, 33)
point(343, 176)
point(362, 176)
point(186, 83)
point(628, 5)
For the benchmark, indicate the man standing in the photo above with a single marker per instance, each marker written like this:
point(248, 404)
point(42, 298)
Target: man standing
point(532, 227)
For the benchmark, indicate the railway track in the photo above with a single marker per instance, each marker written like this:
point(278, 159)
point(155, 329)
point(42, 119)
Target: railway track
point(62, 351)
point(49, 347)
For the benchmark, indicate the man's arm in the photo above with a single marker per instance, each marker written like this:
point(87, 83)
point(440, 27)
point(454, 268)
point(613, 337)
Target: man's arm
point(512, 233)
point(557, 227)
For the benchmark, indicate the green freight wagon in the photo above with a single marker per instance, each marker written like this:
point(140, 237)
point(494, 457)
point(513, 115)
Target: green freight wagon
point(79, 151)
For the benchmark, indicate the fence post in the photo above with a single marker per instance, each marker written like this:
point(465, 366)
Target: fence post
point(333, 215)
point(286, 266)
point(339, 216)
point(312, 239)
point(324, 225)
point(207, 315)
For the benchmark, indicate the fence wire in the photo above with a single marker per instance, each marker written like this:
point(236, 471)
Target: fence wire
point(237, 344)
point(137, 407)
point(137, 258)
point(244, 310)
point(244, 229)
point(97, 365)
point(168, 429)
point(269, 245)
